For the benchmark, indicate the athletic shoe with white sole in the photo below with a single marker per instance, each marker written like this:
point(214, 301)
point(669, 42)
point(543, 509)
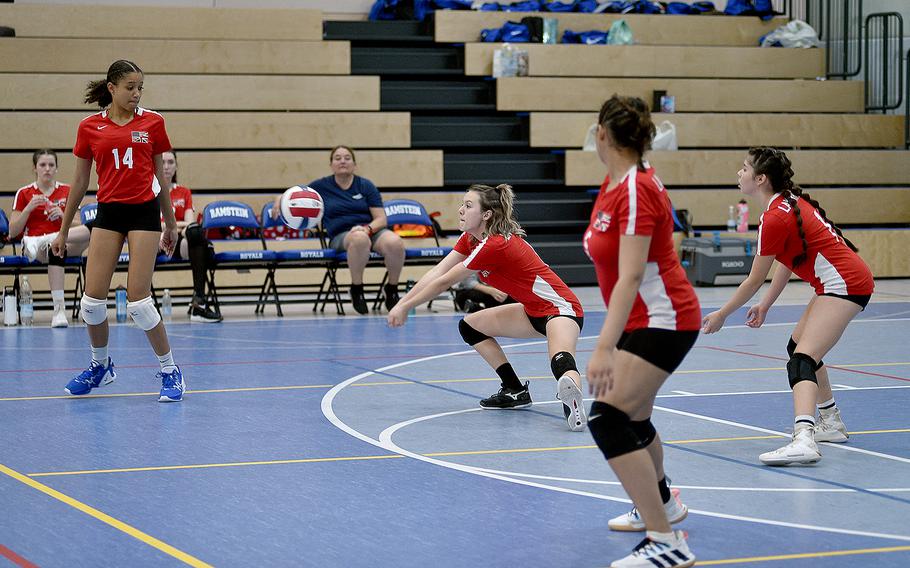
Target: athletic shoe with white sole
point(802, 450)
point(573, 405)
point(97, 375)
point(172, 386)
point(632, 522)
point(831, 427)
point(60, 319)
point(651, 554)
point(508, 399)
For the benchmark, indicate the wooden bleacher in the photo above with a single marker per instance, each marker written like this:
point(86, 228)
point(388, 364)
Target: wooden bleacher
point(143, 22)
point(692, 95)
point(176, 56)
point(732, 130)
point(465, 27)
point(226, 130)
point(576, 60)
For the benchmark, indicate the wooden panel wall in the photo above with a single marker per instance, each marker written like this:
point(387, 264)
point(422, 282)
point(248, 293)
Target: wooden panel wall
point(576, 60)
point(692, 95)
point(706, 130)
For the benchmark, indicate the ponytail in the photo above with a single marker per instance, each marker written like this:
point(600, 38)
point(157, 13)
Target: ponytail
point(500, 201)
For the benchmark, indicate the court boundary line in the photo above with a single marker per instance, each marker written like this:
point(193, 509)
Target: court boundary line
point(117, 524)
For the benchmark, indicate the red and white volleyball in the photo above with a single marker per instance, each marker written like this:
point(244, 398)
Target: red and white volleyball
point(301, 207)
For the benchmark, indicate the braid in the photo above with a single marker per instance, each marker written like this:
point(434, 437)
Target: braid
point(792, 195)
point(824, 215)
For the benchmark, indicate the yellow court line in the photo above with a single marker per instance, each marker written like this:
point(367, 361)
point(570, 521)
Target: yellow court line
point(107, 519)
point(804, 555)
point(393, 456)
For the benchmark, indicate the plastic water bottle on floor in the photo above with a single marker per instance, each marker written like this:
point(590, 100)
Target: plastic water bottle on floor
point(407, 288)
point(731, 220)
point(10, 315)
point(120, 303)
point(167, 305)
point(26, 307)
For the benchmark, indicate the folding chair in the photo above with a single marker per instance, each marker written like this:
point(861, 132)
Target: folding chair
point(234, 214)
point(322, 257)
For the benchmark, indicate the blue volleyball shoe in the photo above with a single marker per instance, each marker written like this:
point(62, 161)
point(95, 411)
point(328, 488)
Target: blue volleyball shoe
point(97, 375)
point(172, 386)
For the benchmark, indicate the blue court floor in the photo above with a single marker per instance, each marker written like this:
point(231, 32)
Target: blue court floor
point(324, 442)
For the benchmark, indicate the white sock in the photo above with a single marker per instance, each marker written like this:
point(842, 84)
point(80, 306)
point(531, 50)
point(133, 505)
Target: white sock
point(804, 420)
point(668, 538)
point(57, 296)
point(828, 405)
point(99, 354)
point(167, 360)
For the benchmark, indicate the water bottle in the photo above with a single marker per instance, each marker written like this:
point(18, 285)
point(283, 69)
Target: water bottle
point(731, 220)
point(10, 317)
point(120, 303)
point(167, 305)
point(407, 288)
point(26, 307)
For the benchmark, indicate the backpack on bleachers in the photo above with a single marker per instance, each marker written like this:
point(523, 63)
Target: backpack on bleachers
point(761, 8)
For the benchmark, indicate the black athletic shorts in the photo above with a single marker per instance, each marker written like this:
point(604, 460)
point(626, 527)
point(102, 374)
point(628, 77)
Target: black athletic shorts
point(540, 323)
point(862, 300)
point(125, 217)
point(664, 348)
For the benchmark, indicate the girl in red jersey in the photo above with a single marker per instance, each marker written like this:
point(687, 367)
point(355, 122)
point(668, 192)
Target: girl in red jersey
point(492, 246)
point(126, 142)
point(652, 322)
point(38, 211)
point(795, 231)
point(191, 242)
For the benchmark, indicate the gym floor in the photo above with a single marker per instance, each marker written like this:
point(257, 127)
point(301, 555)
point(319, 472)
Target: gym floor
point(336, 441)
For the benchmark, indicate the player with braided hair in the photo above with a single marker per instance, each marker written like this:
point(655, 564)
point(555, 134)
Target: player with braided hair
point(795, 231)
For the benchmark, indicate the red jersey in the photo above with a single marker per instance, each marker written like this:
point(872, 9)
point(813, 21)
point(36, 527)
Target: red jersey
point(639, 205)
point(123, 155)
point(830, 266)
point(511, 265)
point(181, 201)
point(37, 223)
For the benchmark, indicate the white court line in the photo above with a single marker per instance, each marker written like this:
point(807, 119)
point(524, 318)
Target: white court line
point(684, 393)
point(845, 387)
point(385, 442)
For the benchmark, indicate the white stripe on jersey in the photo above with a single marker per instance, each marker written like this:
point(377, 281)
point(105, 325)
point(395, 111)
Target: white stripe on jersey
point(653, 293)
point(544, 291)
point(632, 177)
point(474, 252)
point(832, 281)
point(141, 110)
point(760, 225)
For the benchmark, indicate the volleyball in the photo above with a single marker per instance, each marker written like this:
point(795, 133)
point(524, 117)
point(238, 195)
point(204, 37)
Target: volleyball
point(301, 207)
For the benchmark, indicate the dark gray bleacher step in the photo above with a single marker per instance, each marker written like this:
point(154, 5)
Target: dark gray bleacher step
point(576, 274)
point(566, 210)
point(379, 31)
point(567, 250)
point(526, 169)
point(467, 131)
point(422, 60)
point(442, 96)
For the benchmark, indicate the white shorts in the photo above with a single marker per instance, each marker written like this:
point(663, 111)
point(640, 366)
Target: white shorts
point(32, 247)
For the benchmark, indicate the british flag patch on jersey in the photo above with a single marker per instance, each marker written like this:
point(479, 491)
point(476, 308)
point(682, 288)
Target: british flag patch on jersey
point(140, 137)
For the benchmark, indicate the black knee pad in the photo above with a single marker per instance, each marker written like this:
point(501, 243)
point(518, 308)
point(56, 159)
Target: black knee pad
point(562, 363)
point(54, 260)
point(791, 347)
point(645, 431)
point(470, 335)
point(612, 430)
point(801, 367)
point(195, 235)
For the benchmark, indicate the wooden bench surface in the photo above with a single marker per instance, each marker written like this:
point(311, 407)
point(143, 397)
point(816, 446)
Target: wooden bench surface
point(576, 60)
point(719, 167)
point(161, 56)
point(692, 95)
point(37, 91)
point(462, 26)
point(140, 22)
point(29, 130)
point(728, 130)
point(253, 170)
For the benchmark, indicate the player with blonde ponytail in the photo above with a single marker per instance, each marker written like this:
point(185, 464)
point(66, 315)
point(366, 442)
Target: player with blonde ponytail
point(493, 247)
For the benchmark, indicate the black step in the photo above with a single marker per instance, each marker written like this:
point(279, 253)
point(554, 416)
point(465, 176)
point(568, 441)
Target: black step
point(527, 169)
point(424, 60)
point(576, 274)
point(383, 31)
point(569, 251)
point(466, 131)
point(445, 96)
point(568, 209)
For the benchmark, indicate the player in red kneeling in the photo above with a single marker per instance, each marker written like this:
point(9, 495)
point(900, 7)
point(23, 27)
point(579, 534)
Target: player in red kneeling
point(492, 246)
point(795, 231)
point(126, 142)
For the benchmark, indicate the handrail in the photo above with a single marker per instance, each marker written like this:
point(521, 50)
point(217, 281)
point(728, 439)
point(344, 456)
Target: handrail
point(883, 47)
point(844, 26)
